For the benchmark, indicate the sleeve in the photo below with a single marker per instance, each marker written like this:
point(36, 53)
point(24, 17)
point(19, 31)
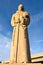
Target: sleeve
point(27, 18)
point(12, 20)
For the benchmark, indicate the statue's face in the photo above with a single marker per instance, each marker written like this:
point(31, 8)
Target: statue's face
point(21, 8)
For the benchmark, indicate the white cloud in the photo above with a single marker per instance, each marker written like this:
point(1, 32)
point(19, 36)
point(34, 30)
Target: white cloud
point(1, 28)
point(4, 41)
point(36, 46)
point(35, 50)
point(38, 41)
point(0, 46)
point(5, 44)
point(9, 33)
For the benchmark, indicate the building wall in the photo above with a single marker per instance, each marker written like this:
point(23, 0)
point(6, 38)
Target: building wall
point(37, 57)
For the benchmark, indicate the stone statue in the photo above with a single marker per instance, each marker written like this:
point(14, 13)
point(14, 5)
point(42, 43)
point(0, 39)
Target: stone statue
point(20, 49)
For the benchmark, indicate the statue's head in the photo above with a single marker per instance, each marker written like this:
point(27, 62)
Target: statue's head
point(21, 7)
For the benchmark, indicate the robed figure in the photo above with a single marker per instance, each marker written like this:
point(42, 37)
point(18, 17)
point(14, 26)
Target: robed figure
point(20, 49)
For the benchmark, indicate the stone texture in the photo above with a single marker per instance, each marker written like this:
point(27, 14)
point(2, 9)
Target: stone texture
point(20, 48)
point(23, 64)
point(37, 57)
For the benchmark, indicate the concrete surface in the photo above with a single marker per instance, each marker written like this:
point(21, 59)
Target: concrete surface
point(23, 64)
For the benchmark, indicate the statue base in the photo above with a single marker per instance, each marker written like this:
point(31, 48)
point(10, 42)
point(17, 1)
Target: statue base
point(21, 64)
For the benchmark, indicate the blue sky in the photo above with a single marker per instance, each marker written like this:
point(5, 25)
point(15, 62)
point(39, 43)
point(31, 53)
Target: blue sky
point(35, 29)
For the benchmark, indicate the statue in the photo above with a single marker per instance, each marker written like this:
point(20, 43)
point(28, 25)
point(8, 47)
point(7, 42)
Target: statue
point(20, 49)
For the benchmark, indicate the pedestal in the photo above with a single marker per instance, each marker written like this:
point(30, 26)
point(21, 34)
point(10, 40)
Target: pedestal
point(22, 64)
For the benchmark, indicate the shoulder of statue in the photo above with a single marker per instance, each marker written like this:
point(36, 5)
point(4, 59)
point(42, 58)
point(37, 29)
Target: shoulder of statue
point(17, 11)
point(13, 15)
point(27, 13)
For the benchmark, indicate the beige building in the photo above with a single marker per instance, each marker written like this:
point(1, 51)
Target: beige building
point(37, 57)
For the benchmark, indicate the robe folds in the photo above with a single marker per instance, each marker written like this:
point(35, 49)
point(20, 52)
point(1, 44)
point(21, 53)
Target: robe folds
point(20, 48)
